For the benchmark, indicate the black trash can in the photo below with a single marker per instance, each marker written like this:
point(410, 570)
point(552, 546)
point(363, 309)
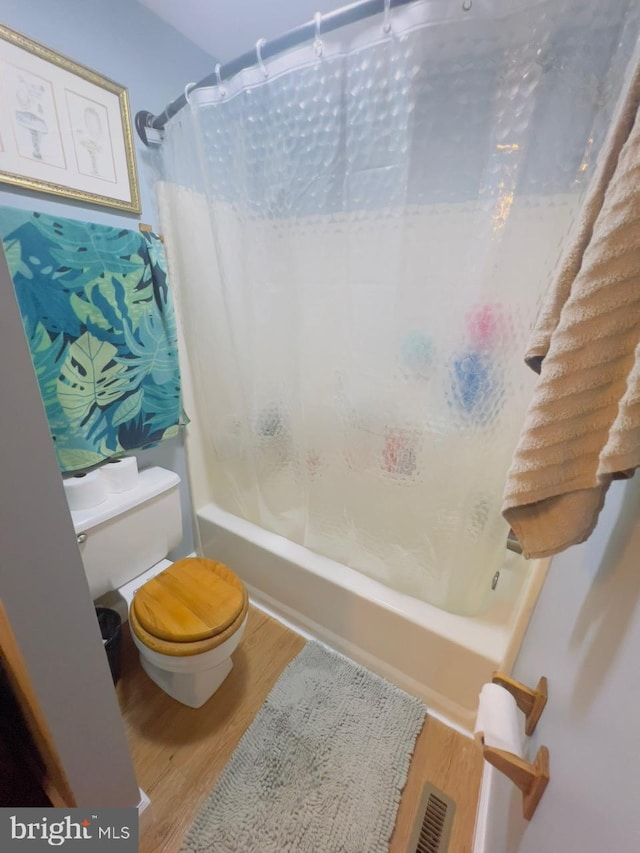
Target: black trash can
point(111, 630)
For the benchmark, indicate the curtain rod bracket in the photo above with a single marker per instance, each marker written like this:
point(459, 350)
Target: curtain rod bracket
point(143, 121)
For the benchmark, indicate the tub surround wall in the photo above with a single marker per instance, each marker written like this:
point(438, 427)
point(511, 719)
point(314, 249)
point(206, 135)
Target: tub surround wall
point(440, 657)
point(340, 446)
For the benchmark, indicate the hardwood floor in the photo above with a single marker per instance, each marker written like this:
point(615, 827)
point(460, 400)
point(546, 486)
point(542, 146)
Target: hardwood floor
point(179, 752)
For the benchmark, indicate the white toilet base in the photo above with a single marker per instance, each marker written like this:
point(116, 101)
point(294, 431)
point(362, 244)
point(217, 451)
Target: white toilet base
point(192, 679)
point(190, 688)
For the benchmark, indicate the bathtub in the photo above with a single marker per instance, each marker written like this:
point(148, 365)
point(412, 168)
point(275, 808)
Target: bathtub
point(437, 656)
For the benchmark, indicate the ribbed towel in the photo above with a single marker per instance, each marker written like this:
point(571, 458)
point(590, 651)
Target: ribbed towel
point(583, 425)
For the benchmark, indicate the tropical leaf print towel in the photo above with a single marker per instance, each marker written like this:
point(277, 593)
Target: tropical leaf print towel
point(97, 312)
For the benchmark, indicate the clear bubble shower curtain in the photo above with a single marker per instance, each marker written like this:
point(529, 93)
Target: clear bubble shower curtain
point(360, 232)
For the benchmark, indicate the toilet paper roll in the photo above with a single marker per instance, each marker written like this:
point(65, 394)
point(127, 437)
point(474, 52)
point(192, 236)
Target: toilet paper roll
point(499, 722)
point(84, 491)
point(120, 475)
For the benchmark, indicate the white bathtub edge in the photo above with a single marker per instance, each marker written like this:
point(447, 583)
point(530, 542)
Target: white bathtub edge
point(371, 624)
point(471, 632)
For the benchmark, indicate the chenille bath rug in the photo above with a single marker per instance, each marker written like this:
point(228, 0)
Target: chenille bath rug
point(320, 769)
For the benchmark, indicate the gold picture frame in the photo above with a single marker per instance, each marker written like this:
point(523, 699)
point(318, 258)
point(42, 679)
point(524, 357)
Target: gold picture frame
point(64, 129)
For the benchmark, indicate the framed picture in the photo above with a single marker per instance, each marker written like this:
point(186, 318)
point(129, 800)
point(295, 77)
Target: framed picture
point(63, 128)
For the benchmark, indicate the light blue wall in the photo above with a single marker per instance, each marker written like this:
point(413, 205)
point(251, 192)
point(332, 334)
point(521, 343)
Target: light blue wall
point(121, 40)
point(229, 29)
point(585, 637)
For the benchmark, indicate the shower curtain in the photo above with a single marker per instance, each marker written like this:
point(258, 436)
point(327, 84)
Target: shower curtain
point(360, 232)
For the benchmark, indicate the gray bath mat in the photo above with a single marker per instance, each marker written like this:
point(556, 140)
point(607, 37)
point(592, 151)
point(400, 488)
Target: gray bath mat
point(320, 769)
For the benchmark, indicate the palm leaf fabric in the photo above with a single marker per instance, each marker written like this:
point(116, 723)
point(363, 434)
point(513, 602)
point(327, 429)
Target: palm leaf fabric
point(97, 312)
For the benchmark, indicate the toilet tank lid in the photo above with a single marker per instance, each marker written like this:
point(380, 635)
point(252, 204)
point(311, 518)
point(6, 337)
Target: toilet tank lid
point(152, 482)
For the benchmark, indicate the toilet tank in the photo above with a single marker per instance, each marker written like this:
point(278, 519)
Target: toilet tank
point(130, 531)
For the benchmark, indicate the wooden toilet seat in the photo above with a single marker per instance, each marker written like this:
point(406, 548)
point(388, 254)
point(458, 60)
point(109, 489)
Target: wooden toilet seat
point(190, 608)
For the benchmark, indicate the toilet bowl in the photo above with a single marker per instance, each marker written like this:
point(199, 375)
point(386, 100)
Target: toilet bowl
point(186, 622)
point(186, 617)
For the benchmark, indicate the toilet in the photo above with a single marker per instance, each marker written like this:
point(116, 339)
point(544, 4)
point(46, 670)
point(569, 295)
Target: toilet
point(186, 618)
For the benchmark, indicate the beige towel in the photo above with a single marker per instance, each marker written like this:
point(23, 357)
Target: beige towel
point(583, 425)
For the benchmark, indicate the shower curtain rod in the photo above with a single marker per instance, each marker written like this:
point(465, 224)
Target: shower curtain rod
point(331, 21)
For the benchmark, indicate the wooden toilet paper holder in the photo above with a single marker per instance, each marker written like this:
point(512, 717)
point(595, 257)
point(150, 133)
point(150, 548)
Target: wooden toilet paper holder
point(530, 702)
point(532, 779)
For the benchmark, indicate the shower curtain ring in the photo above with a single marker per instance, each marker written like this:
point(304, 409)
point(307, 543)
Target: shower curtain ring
point(386, 21)
point(466, 5)
point(259, 45)
point(187, 92)
point(221, 89)
point(317, 44)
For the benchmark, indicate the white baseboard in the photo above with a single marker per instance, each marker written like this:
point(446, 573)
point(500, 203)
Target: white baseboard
point(482, 812)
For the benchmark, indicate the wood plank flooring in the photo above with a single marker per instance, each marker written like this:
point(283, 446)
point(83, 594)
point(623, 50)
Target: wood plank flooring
point(179, 752)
